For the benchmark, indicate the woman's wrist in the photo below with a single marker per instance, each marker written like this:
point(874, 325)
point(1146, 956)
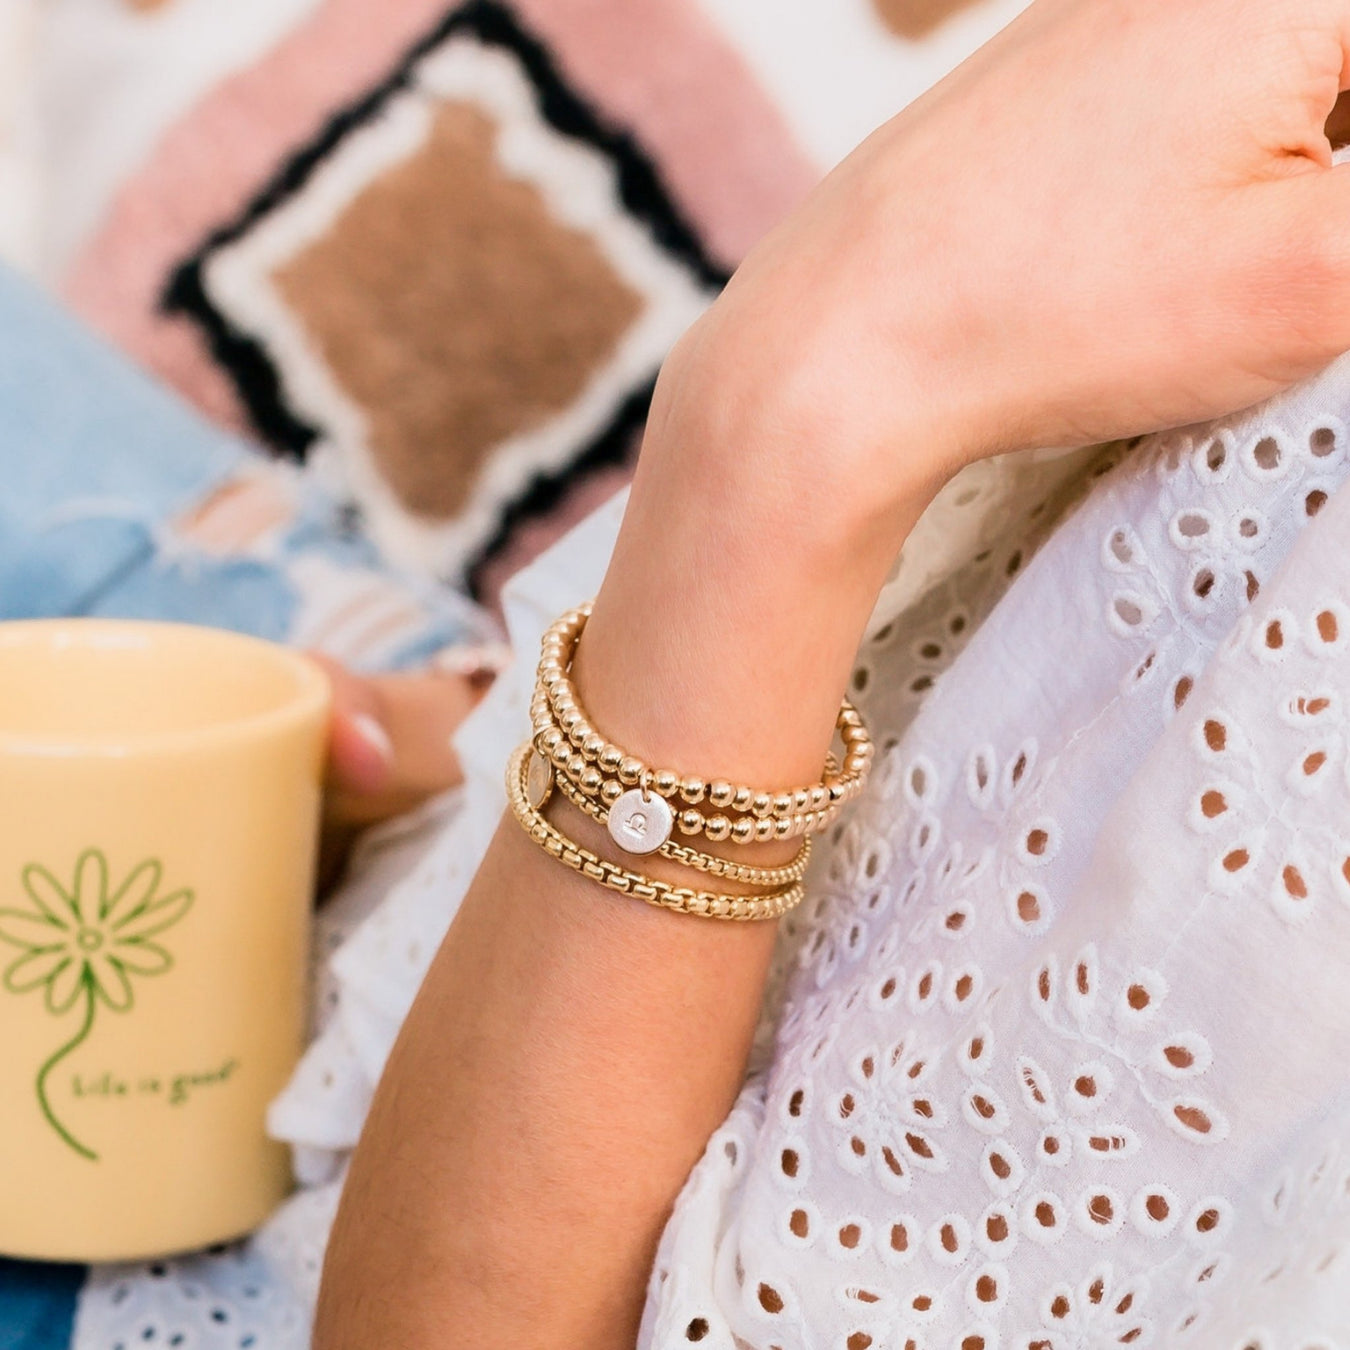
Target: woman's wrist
point(759, 404)
point(742, 581)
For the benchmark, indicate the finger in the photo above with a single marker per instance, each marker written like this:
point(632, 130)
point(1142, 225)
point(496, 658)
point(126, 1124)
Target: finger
point(361, 750)
point(422, 712)
point(419, 714)
point(361, 754)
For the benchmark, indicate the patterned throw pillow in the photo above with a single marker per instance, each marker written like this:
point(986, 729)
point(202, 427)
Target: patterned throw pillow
point(437, 255)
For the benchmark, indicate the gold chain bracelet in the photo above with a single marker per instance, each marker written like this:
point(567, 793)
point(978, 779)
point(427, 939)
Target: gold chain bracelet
point(681, 899)
point(680, 853)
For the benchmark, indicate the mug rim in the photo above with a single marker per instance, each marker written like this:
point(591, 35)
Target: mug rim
point(310, 698)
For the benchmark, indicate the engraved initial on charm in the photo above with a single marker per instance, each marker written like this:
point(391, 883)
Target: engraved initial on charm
point(640, 823)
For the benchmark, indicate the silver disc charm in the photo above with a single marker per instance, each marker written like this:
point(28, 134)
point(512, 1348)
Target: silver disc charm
point(538, 781)
point(640, 824)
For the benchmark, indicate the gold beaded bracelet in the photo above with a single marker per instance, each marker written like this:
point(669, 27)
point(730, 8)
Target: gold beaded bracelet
point(641, 822)
point(558, 648)
point(706, 904)
point(541, 778)
point(605, 794)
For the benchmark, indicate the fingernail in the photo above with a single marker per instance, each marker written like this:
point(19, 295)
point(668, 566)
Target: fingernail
point(374, 736)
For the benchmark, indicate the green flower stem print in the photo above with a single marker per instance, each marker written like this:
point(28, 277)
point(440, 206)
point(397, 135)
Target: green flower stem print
point(83, 944)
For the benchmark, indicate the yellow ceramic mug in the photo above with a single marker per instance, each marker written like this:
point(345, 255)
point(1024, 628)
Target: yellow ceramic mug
point(159, 798)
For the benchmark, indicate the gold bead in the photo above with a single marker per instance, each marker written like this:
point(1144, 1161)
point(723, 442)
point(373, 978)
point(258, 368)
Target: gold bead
point(691, 822)
point(741, 801)
point(721, 793)
point(782, 828)
point(610, 758)
point(569, 719)
point(838, 792)
point(552, 738)
point(666, 781)
point(761, 804)
point(800, 799)
point(630, 770)
point(591, 779)
point(693, 790)
point(820, 794)
point(764, 830)
point(743, 831)
point(782, 804)
point(561, 753)
point(576, 766)
point(592, 745)
point(717, 828)
point(610, 791)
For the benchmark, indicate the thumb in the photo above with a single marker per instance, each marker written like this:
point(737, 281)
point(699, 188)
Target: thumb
point(360, 747)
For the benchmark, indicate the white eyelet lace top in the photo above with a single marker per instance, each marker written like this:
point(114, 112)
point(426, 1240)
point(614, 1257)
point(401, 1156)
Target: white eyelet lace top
point(1057, 1053)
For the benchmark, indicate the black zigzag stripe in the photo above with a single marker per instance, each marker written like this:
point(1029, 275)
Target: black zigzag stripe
point(545, 491)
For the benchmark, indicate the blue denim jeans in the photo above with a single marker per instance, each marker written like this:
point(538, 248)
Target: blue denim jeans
point(98, 463)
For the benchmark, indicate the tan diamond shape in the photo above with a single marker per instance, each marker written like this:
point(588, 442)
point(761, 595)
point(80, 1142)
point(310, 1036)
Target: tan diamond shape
point(454, 310)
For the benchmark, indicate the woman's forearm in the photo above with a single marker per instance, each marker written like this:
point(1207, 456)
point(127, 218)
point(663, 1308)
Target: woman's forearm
point(572, 1049)
point(991, 270)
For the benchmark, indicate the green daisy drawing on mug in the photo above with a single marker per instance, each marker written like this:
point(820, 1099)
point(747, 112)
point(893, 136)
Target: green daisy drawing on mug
point(84, 945)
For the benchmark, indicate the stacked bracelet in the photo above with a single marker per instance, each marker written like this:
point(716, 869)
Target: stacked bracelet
point(644, 807)
point(692, 857)
point(679, 898)
point(638, 821)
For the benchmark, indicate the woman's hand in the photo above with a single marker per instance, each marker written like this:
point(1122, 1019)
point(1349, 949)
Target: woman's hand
point(1120, 215)
point(389, 747)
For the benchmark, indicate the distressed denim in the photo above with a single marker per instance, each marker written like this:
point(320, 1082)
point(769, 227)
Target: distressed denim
point(97, 462)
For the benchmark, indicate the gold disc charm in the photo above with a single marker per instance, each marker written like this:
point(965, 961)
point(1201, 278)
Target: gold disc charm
point(538, 781)
point(640, 822)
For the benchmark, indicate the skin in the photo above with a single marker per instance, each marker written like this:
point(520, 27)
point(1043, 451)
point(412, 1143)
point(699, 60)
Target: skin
point(389, 740)
point(373, 775)
point(1120, 215)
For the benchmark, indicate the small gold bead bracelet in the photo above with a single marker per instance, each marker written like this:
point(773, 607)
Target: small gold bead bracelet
point(705, 904)
point(636, 798)
point(604, 793)
point(554, 683)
